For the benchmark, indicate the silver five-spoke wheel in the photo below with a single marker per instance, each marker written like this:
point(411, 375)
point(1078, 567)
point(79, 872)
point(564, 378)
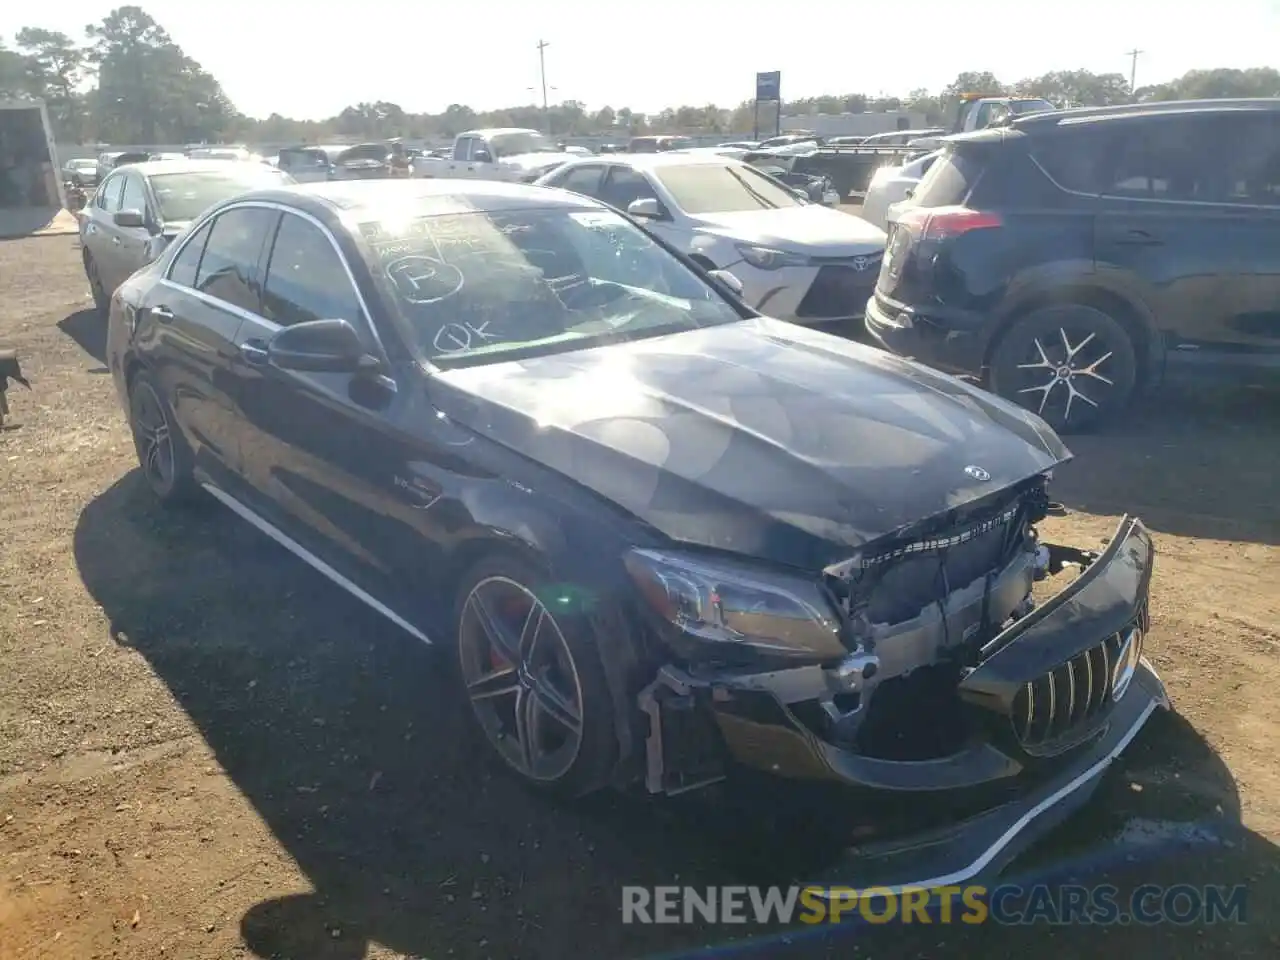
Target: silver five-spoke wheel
point(151, 433)
point(521, 678)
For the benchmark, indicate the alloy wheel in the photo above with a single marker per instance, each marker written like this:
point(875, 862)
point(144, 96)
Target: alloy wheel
point(152, 437)
point(1066, 370)
point(521, 678)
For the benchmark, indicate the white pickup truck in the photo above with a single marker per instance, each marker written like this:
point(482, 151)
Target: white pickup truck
point(505, 153)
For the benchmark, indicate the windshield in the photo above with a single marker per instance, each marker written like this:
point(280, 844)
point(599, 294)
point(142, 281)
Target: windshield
point(481, 287)
point(699, 188)
point(184, 196)
point(526, 141)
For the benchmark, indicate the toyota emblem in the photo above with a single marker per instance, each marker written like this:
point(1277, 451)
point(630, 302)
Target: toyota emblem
point(977, 473)
point(860, 263)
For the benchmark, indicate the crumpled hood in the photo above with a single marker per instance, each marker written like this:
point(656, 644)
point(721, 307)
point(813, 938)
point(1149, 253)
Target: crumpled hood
point(811, 229)
point(757, 437)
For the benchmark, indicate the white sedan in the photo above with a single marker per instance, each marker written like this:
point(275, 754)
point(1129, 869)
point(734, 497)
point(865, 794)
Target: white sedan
point(796, 260)
point(890, 185)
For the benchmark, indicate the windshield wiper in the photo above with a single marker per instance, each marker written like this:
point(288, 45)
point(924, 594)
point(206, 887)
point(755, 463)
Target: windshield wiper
point(760, 198)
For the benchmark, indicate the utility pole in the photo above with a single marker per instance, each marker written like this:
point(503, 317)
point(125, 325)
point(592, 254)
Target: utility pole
point(542, 70)
point(1133, 56)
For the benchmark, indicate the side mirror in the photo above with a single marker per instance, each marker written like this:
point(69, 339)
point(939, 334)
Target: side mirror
point(727, 279)
point(482, 156)
point(646, 209)
point(129, 218)
point(320, 346)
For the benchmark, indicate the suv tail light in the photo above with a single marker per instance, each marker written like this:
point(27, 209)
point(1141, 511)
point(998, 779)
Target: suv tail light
point(940, 223)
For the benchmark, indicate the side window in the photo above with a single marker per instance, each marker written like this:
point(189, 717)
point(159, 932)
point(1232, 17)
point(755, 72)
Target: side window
point(228, 267)
point(1245, 169)
point(462, 148)
point(1074, 159)
point(623, 186)
point(134, 195)
point(1171, 159)
point(108, 198)
point(581, 179)
point(186, 264)
point(306, 279)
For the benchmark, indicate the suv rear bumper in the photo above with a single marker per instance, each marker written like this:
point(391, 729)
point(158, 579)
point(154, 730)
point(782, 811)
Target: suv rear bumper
point(903, 331)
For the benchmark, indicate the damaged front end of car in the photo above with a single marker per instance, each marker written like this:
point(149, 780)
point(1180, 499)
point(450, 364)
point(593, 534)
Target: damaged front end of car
point(925, 670)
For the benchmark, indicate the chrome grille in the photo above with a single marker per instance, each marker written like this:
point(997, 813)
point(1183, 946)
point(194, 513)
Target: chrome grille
point(1052, 711)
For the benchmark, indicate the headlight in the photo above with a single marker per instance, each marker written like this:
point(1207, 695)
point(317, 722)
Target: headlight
point(767, 258)
point(723, 602)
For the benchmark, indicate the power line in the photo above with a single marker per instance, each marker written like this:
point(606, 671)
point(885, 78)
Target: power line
point(542, 70)
point(1133, 56)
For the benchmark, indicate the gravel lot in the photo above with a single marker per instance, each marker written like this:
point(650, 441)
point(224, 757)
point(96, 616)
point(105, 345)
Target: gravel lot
point(208, 752)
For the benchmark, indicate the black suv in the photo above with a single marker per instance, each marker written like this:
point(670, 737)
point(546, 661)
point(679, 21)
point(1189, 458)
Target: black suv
point(1067, 258)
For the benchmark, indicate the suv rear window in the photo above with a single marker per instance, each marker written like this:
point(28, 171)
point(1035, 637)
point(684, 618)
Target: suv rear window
point(949, 180)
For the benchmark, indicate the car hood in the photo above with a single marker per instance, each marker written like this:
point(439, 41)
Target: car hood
point(528, 162)
point(757, 437)
point(816, 230)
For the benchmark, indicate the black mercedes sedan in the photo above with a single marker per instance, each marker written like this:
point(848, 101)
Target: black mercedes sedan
point(665, 539)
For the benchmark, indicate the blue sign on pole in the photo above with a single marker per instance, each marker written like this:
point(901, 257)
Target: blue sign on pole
point(769, 86)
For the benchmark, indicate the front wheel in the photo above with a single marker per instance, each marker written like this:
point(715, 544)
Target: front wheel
point(533, 678)
point(1073, 365)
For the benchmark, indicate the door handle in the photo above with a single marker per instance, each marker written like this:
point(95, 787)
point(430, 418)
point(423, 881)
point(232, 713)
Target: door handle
point(116, 241)
point(254, 352)
point(162, 313)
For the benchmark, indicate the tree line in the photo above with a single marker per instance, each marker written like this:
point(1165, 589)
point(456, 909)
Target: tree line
point(127, 81)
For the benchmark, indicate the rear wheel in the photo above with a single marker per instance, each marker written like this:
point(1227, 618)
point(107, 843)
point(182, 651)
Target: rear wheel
point(101, 299)
point(163, 454)
point(1073, 365)
point(533, 678)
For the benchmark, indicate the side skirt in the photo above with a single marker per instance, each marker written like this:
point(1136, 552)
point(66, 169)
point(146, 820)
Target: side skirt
point(302, 553)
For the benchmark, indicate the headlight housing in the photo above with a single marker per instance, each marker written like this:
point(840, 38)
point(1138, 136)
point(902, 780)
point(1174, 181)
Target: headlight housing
point(767, 258)
point(722, 602)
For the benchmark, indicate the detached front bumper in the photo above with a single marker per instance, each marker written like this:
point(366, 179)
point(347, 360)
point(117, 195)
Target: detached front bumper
point(1047, 705)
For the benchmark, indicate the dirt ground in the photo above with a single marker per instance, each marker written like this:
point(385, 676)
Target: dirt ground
point(208, 752)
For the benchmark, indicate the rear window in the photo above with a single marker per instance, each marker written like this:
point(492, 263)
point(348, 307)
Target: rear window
point(184, 196)
point(949, 180)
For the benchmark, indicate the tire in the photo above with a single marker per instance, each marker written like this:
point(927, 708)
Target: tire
point(569, 759)
point(166, 461)
point(101, 299)
point(1073, 365)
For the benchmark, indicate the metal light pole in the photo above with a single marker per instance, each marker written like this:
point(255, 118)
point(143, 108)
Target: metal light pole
point(542, 70)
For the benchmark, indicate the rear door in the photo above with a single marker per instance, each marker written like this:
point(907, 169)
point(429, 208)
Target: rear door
point(191, 319)
point(96, 225)
point(1191, 210)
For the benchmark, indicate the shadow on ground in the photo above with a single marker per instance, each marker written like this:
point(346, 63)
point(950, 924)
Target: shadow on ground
point(348, 740)
point(1195, 459)
point(88, 328)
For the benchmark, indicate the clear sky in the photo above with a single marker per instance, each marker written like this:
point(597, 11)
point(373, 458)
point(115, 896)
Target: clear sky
point(310, 58)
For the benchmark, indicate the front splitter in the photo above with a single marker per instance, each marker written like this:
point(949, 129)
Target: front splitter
point(982, 846)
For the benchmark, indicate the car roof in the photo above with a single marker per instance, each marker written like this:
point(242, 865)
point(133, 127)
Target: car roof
point(496, 131)
point(1056, 118)
point(433, 196)
point(149, 167)
point(651, 161)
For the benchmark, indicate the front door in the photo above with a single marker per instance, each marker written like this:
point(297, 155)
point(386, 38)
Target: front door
point(1192, 207)
point(128, 244)
point(320, 454)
